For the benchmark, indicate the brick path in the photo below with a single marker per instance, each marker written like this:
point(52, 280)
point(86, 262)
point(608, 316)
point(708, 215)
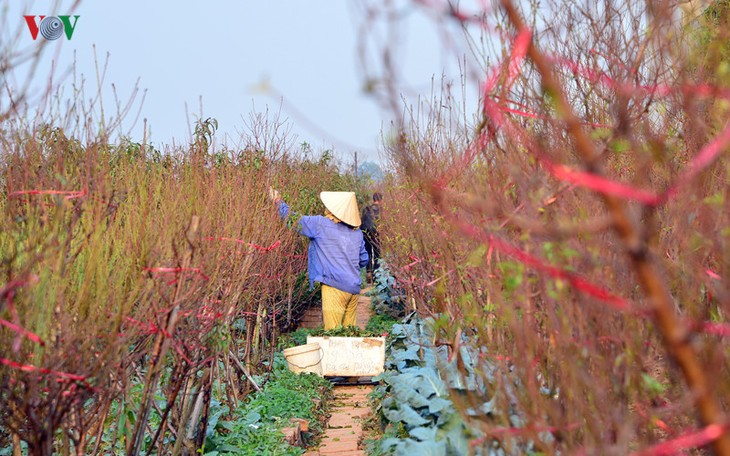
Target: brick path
point(350, 406)
point(344, 428)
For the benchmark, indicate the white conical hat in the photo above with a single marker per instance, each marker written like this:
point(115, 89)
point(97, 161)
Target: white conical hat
point(343, 205)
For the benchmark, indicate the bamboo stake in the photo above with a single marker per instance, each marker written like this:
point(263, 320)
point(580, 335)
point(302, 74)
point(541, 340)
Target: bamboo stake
point(99, 431)
point(164, 421)
point(201, 427)
point(187, 409)
point(16, 445)
point(244, 371)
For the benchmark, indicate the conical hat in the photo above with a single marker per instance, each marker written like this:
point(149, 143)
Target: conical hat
point(343, 205)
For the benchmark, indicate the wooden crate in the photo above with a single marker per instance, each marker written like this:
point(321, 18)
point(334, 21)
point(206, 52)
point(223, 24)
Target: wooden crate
point(351, 356)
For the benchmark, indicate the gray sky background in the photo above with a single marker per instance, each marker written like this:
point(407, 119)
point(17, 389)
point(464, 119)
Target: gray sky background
point(226, 53)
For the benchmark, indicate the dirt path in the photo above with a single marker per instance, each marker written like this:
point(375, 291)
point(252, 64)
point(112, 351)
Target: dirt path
point(350, 406)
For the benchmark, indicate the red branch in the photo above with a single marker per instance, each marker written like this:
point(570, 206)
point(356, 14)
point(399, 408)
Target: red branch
point(687, 441)
point(536, 116)
point(176, 270)
point(578, 282)
point(655, 90)
point(250, 244)
point(519, 51)
point(718, 329)
point(519, 431)
point(23, 332)
point(69, 194)
point(60, 375)
point(712, 274)
point(706, 156)
point(601, 184)
point(9, 289)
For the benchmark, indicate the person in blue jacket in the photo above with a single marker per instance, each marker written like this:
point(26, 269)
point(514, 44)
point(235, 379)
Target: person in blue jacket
point(336, 254)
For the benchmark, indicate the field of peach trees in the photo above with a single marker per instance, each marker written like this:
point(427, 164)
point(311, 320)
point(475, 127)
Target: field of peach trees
point(560, 257)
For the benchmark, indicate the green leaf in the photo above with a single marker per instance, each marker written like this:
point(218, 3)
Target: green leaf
point(227, 425)
point(405, 414)
point(718, 200)
point(601, 133)
point(476, 257)
point(252, 417)
point(406, 391)
point(423, 433)
point(439, 405)
point(619, 145)
point(652, 385)
point(425, 448)
point(215, 417)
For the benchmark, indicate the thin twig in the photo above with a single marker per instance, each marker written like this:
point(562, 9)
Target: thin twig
point(244, 371)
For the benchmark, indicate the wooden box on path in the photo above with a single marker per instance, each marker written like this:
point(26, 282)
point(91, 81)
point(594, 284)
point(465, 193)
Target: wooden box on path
point(351, 356)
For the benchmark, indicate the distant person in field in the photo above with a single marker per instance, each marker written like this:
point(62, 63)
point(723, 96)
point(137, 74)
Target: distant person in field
point(370, 219)
point(336, 254)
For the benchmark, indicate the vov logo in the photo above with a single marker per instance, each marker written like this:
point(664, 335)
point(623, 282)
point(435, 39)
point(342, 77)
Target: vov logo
point(51, 27)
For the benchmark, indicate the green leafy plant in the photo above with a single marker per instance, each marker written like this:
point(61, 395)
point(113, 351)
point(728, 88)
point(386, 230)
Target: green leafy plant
point(249, 435)
point(420, 396)
point(376, 329)
point(294, 338)
point(386, 297)
point(380, 324)
point(255, 427)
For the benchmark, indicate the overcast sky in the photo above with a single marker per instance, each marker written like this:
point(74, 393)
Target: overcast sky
point(300, 57)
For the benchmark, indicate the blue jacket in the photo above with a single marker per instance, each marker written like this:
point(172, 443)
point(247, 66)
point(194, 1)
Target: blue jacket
point(336, 251)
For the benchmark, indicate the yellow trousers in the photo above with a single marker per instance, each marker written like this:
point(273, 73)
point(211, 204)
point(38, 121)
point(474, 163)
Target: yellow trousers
point(338, 307)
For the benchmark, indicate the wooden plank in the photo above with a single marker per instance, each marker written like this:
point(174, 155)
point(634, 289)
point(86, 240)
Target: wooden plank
point(351, 356)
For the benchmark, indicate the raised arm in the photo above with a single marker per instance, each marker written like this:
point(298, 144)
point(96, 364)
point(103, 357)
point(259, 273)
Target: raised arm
point(283, 209)
point(307, 225)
